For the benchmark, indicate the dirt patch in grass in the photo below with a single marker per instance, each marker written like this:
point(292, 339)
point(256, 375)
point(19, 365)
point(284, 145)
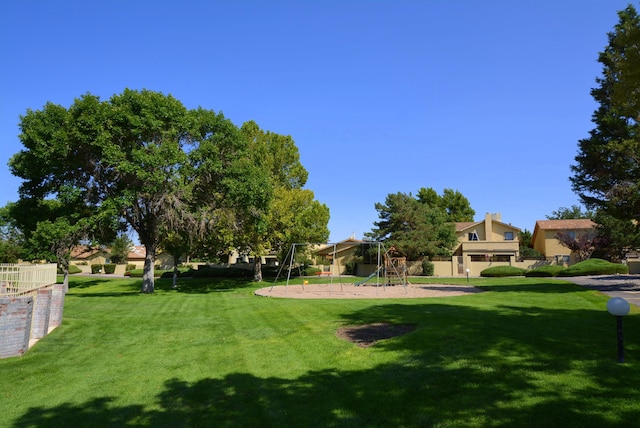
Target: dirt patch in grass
point(368, 334)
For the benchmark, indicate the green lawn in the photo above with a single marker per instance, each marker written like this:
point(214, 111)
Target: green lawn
point(528, 352)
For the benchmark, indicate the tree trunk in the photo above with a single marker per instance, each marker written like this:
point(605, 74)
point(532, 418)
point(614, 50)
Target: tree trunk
point(257, 269)
point(148, 285)
point(65, 281)
point(175, 272)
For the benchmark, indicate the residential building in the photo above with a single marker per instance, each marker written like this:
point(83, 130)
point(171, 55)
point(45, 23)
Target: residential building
point(545, 242)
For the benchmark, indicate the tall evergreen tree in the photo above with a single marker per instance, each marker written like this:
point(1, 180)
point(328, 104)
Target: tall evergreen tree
point(606, 175)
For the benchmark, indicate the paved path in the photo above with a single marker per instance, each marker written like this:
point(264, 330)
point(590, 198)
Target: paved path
point(625, 286)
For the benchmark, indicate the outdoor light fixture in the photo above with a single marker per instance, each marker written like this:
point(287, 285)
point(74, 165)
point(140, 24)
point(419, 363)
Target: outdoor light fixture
point(619, 307)
point(468, 275)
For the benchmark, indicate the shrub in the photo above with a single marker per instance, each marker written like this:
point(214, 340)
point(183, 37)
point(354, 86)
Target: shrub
point(72, 269)
point(594, 267)
point(211, 272)
point(96, 268)
point(350, 268)
point(428, 268)
point(310, 271)
point(545, 271)
point(499, 271)
point(137, 273)
point(130, 267)
point(109, 268)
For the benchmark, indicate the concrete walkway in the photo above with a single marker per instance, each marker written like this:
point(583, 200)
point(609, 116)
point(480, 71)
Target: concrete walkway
point(625, 286)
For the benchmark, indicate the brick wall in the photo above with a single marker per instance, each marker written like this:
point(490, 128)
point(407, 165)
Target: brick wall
point(26, 319)
point(41, 311)
point(15, 325)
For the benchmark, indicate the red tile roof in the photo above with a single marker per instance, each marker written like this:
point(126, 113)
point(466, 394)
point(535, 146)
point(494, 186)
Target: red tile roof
point(569, 224)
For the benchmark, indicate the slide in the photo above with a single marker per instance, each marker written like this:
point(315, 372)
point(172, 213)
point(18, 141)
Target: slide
point(357, 284)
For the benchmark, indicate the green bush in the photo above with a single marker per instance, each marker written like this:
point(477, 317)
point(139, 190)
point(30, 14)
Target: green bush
point(72, 269)
point(350, 268)
point(428, 268)
point(96, 268)
point(594, 267)
point(500, 271)
point(545, 271)
point(157, 273)
point(310, 271)
point(182, 273)
point(211, 272)
point(130, 267)
point(109, 268)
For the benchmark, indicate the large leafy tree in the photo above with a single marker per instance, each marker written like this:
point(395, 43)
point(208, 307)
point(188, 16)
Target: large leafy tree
point(11, 237)
point(120, 248)
point(454, 203)
point(293, 215)
point(606, 175)
point(417, 226)
point(140, 156)
point(52, 227)
point(574, 212)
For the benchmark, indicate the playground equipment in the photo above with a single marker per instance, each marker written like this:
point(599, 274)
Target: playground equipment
point(391, 266)
point(394, 269)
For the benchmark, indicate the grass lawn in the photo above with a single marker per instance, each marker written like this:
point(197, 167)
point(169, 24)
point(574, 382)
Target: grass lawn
point(528, 352)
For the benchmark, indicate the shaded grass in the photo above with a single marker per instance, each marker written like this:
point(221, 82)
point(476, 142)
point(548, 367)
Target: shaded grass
point(529, 352)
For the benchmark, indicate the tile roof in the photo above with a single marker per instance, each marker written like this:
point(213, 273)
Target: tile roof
point(462, 225)
point(569, 224)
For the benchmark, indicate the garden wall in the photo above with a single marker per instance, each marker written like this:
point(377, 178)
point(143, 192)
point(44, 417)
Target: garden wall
point(31, 305)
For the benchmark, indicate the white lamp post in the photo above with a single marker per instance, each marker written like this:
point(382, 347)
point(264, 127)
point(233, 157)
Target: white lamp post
point(468, 275)
point(619, 307)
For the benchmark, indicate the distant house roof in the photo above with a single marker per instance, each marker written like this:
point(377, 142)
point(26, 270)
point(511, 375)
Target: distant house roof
point(463, 225)
point(84, 252)
point(139, 252)
point(330, 249)
point(569, 224)
point(81, 252)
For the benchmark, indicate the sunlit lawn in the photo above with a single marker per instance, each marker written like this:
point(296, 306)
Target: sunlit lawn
point(528, 352)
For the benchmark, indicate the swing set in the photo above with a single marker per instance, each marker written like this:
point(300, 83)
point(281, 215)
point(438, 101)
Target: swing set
point(391, 269)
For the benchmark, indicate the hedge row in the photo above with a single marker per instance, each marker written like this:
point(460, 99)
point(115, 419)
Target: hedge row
point(105, 268)
point(586, 267)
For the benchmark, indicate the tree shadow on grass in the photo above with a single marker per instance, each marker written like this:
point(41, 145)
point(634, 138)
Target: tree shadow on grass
point(462, 366)
point(203, 285)
point(386, 396)
point(539, 286)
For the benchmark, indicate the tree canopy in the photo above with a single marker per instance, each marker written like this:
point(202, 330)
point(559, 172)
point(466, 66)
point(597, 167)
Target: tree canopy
point(144, 158)
point(574, 212)
point(293, 215)
point(423, 225)
point(606, 174)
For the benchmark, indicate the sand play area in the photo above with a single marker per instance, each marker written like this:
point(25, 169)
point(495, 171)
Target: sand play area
point(350, 291)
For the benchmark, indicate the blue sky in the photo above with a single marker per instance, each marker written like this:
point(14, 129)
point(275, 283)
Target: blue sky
point(485, 97)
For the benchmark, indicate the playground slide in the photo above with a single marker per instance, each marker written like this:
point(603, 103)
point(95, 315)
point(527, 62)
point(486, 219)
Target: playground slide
point(357, 284)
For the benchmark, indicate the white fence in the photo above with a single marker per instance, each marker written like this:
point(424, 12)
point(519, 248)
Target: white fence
point(17, 279)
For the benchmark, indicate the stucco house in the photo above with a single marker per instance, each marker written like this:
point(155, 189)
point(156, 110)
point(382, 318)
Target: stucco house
point(84, 256)
point(333, 258)
point(483, 243)
point(545, 242)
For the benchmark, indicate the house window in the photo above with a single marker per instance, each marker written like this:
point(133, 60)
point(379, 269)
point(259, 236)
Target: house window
point(473, 236)
point(508, 236)
point(479, 257)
